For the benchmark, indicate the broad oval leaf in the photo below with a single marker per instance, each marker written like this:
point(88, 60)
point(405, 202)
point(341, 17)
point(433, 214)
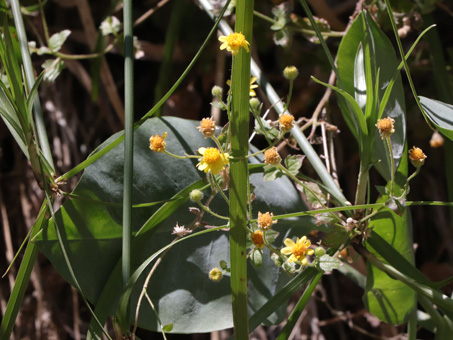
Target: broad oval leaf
point(440, 114)
point(388, 299)
point(352, 71)
point(179, 288)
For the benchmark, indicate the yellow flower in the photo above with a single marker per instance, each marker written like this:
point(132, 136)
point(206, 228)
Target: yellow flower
point(207, 127)
point(265, 220)
point(253, 86)
point(157, 143)
point(385, 126)
point(417, 157)
point(215, 274)
point(271, 156)
point(286, 122)
point(298, 250)
point(233, 42)
point(212, 161)
point(257, 239)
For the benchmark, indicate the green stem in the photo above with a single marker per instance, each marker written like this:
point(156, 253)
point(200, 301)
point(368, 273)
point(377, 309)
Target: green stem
point(30, 76)
point(128, 139)
point(392, 165)
point(22, 280)
point(100, 153)
point(295, 179)
point(166, 67)
point(239, 176)
point(406, 67)
point(209, 211)
point(298, 309)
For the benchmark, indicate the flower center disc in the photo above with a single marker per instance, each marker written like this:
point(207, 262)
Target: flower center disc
point(211, 155)
point(299, 250)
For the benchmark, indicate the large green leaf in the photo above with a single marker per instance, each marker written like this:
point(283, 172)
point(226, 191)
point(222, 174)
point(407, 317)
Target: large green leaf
point(180, 288)
point(388, 299)
point(353, 66)
point(440, 114)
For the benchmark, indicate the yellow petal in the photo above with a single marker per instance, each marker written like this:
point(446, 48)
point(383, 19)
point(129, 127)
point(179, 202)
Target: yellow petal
point(286, 250)
point(289, 243)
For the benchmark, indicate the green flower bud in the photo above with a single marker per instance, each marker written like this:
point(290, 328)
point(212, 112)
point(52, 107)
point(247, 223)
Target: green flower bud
point(217, 91)
point(278, 261)
point(257, 257)
point(254, 103)
point(289, 267)
point(290, 72)
point(196, 195)
point(320, 251)
point(223, 265)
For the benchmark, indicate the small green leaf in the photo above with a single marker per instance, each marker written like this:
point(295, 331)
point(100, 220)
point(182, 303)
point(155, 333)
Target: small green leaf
point(265, 128)
point(168, 327)
point(57, 40)
point(314, 194)
point(271, 173)
point(328, 263)
point(52, 69)
point(294, 163)
point(440, 114)
point(219, 105)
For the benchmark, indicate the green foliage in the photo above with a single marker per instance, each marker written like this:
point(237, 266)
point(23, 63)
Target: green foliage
point(388, 299)
point(93, 233)
point(355, 69)
point(440, 114)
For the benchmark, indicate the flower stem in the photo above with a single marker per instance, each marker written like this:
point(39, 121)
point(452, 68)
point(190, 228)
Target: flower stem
point(239, 176)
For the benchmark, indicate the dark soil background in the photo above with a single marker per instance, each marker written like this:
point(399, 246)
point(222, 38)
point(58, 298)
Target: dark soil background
point(78, 121)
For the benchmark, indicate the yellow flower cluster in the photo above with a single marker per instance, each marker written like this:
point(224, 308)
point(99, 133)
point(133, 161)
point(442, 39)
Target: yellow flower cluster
point(212, 160)
point(257, 239)
point(385, 126)
point(233, 42)
point(271, 156)
point(298, 250)
point(265, 220)
point(157, 143)
point(417, 157)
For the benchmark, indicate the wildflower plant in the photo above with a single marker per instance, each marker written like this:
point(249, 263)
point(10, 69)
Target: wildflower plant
point(237, 204)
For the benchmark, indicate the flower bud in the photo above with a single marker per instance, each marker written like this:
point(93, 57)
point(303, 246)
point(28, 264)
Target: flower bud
point(223, 265)
point(196, 195)
point(257, 258)
point(290, 72)
point(320, 251)
point(217, 91)
point(254, 103)
point(278, 261)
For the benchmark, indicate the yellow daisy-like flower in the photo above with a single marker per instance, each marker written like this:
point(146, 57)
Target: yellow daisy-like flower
point(265, 220)
point(233, 42)
point(157, 143)
point(271, 156)
point(417, 157)
point(298, 250)
point(207, 127)
point(215, 274)
point(212, 160)
point(385, 126)
point(253, 86)
point(257, 239)
point(286, 122)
